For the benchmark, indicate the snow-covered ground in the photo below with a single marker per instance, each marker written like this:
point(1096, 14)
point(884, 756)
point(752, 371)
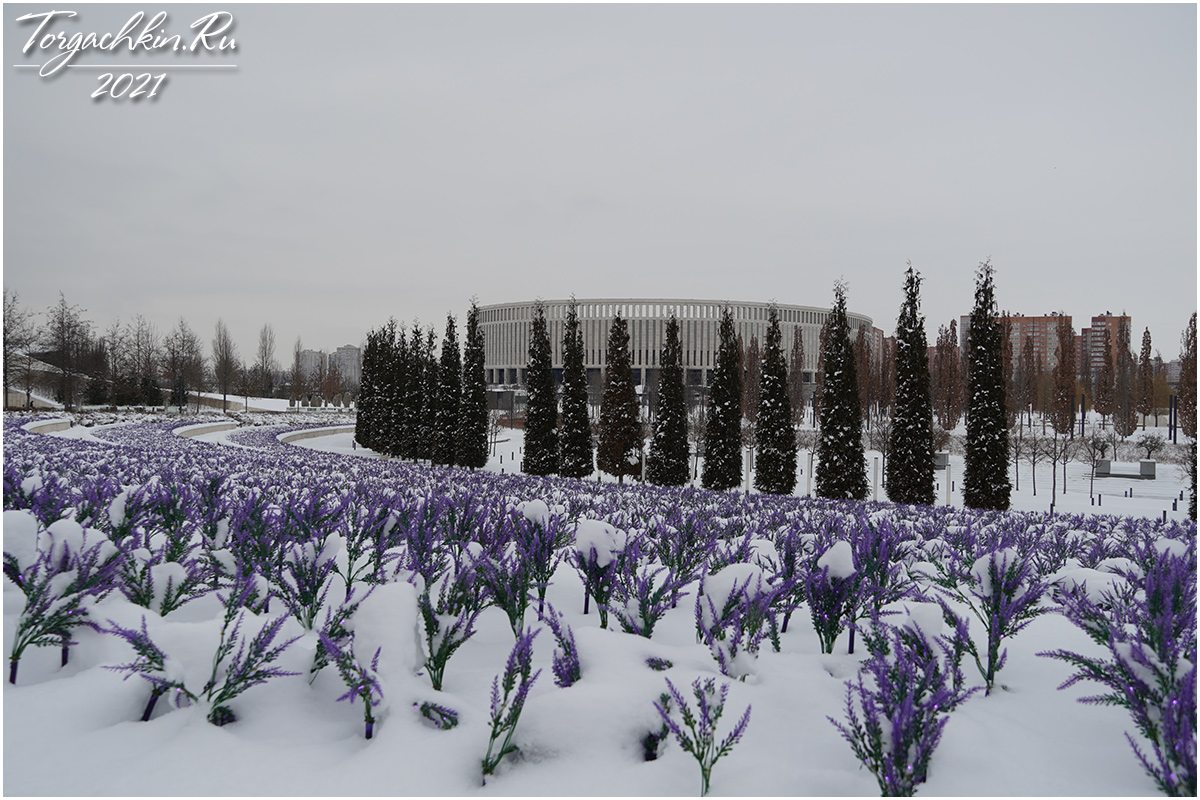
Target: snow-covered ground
point(73, 730)
point(1120, 496)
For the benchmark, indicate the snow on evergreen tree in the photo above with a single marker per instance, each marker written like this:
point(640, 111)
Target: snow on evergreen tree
point(841, 471)
point(796, 377)
point(723, 429)
point(432, 400)
point(541, 412)
point(668, 461)
point(401, 438)
point(985, 480)
point(620, 450)
point(410, 368)
point(819, 381)
point(576, 451)
point(910, 465)
point(1186, 408)
point(775, 471)
point(445, 439)
point(1106, 380)
point(472, 442)
point(366, 418)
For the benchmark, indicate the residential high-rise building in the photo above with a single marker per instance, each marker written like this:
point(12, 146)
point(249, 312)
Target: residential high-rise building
point(1042, 331)
point(313, 362)
point(348, 359)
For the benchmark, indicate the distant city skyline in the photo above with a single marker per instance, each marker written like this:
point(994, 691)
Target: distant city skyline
point(734, 153)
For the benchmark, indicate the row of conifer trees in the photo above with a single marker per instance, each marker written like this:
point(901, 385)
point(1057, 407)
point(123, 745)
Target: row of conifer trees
point(416, 405)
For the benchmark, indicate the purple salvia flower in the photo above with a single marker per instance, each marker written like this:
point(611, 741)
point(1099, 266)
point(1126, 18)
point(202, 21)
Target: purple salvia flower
point(700, 740)
point(565, 665)
point(506, 709)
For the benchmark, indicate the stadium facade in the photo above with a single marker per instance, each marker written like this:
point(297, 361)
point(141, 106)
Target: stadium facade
point(506, 329)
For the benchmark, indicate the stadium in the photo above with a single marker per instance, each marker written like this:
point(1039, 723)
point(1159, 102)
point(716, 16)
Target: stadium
point(506, 329)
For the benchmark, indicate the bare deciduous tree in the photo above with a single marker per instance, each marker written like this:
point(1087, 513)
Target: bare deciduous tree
point(224, 362)
point(19, 338)
point(264, 363)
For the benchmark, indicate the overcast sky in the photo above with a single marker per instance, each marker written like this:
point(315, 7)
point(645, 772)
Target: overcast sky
point(368, 161)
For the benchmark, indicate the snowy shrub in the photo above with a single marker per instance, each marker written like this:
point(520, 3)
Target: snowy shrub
point(1150, 635)
point(566, 656)
point(67, 575)
point(697, 734)
point(831, 589)
point(336, 628)
point(1004, 596)
point(640, 598)
point(516, 682)
point(235, 672)
point(734, 613)
point(730, 550)
point(598, 545)
point(366, 525)
point(896, 711)
point(506, 579)
point(878, 553)
point(153, 665)
point(539, 537)
point(361, 682)
point(159, 571)
point(450, 622)
point(304, 575)
point(682, 542)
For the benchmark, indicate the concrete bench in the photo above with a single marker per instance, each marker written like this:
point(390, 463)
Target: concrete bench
point(1140, 470)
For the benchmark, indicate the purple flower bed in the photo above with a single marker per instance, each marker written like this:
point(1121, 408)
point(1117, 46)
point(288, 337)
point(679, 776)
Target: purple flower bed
point(291, 534)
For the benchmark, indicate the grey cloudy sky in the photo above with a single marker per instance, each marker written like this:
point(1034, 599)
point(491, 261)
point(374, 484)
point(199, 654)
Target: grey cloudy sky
point(367, 161)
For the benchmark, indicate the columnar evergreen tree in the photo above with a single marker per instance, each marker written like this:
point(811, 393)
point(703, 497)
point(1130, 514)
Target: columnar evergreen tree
point(1062, 404)
point(1187, 400)
point(668, 462)
point(620, 451)
point(819, 388)
point(910, 468)
point(841, 470)
point(412, 411)
point(723, 431)
point(445, 434)
point(366, 420)
point(985, 480)
point(576, 453)
point(796, 377)
point(1125, 385)
point(1106, 380)
point(429, 419)
point(541, 413)
point(472, 442)
point(1145, 380)
point(773, 432)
